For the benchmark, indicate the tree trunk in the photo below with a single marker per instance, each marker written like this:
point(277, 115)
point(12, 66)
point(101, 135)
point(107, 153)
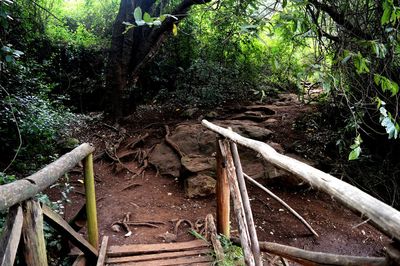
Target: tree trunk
point(130, 51)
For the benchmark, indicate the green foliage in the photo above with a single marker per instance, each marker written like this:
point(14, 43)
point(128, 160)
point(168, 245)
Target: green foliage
point(233, 254)
point(355, 148)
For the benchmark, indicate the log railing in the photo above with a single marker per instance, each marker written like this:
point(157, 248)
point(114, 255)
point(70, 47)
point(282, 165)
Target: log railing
point(381, 215)
point(26, 215)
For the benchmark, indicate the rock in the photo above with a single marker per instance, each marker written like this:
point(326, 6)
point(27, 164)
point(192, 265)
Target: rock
point(257, 133)
point(164, 159)
point(168, 237)
point(200, 186)
point(278, 147)
point(271, 121)
point(197, 163)
point(189, 113)
point(212, 114)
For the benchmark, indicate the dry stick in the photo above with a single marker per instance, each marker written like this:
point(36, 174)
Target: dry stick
point(246, 204)
point(212, 236)
point(386, 218)
point(238, 207)
point(133, 143)
point(284, 204)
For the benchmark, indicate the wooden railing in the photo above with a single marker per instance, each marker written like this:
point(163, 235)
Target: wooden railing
point(25, 215)
point(230, 182)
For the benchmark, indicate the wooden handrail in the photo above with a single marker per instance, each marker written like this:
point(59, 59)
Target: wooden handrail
point(386, 218)
point(28, 187)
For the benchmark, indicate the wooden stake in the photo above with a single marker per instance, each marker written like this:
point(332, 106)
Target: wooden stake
point(102, 253)
point(238, 208)
point(213, 237)
point(223, 197)
point(246, 205)
point(91, 211)
point(11, 236)
point(34, 246)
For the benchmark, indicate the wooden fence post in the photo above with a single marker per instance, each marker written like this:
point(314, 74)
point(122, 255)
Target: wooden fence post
point(11, 236)
point(91, 211)
point(34, 246)
point(223, 197)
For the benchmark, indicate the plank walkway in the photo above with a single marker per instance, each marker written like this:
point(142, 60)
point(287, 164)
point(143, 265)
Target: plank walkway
point(196, 252)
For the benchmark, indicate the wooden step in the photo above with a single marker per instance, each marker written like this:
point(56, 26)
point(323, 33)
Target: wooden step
point(196, 252)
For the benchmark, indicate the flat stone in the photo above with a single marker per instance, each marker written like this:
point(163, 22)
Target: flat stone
point(197, 163)
point(200, 186)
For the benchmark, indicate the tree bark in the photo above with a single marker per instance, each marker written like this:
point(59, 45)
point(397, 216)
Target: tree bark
point(130, 51)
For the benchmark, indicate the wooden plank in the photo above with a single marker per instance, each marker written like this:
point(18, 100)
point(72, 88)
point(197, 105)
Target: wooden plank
point(11, 236)
point(223, 196)
point(34, 246)
point(103, 251)
point(23, 189)
point(126, 250)
point(386, 218)
point(172, 261)
point(165, 255)
point(58, 223)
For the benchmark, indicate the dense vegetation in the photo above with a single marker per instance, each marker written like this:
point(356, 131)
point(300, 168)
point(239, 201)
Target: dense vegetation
point(60, 58)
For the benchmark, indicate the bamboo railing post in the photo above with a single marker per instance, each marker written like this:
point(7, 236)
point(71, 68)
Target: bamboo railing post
point(223, 197)
point(238, 207)
point(34, 246)
point(91, 211)
point(246, 204)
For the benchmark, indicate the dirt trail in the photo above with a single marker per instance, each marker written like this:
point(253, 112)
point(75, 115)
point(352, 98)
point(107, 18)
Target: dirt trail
point(158, 198)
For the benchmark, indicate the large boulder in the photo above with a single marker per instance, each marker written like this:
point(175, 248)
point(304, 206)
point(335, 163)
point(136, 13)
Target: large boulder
point(164, 159)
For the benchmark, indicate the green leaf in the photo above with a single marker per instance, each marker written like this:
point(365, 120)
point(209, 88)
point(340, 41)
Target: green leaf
point(174, 30)
point(284, 3)
point(387, 12)
point(147, 18)
point(354, 154)
point(137, 14)
point(9, 58)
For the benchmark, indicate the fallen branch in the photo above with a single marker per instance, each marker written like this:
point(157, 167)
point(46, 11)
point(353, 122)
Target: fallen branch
point(284, 204)
point(306, 257)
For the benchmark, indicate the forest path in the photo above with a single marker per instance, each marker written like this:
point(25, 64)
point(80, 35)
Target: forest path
point(160, 202)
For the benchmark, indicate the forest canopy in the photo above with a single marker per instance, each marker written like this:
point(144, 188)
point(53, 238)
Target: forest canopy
point(61, 58)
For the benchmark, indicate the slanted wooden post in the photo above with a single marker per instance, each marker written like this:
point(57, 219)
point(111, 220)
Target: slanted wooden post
point(223, 197)
point(91, 212)
point(34, 246)
point(11, 236)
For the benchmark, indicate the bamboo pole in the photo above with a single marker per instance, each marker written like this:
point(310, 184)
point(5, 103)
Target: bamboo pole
point(284, 204)
point(34, 246)
point(223, 197)
point(238, 208)
point(23, 189)
point(90, 193)
point(246, 206)
point(386, 218)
